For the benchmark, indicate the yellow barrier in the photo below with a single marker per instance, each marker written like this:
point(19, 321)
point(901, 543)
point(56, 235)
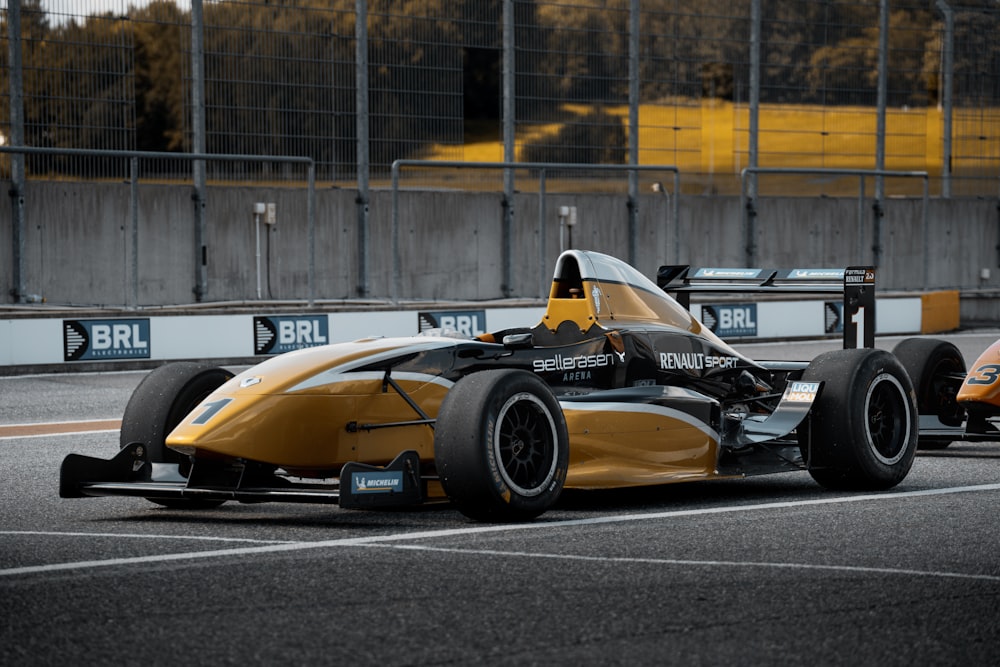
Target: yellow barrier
point(939, 311)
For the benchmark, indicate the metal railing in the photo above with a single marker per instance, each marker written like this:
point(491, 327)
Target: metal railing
point(748, 204)
point(542, 168)
point(17, 209)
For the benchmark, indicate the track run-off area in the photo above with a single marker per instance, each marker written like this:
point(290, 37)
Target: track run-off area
point(767, 570)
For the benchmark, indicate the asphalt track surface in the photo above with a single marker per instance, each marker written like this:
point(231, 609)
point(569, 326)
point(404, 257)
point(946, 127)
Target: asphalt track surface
point(765, 571)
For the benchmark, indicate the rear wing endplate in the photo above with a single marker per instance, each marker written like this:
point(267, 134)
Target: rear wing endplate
point(856, 283)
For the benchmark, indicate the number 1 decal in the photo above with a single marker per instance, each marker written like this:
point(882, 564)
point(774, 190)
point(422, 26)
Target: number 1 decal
point(210, 409)
point(859, 307)
point(986, 374)
point(858, 320)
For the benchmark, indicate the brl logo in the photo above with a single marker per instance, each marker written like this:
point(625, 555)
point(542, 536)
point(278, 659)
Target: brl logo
point(731, 320)
point(466, 322)
point(277, 334)
point(85, 340)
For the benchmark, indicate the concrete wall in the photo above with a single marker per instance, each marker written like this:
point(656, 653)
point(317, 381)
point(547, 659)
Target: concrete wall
point(77, 246)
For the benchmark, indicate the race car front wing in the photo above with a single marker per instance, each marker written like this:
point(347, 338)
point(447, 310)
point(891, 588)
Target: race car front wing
point(131, 473)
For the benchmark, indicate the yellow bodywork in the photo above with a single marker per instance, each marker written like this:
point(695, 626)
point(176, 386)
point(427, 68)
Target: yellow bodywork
point(307, 411)
point(615, 445)
point(294, 411)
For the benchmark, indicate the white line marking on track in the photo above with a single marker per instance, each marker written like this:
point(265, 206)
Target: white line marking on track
point(144, 536)
point(475, 530)
point(706, 563)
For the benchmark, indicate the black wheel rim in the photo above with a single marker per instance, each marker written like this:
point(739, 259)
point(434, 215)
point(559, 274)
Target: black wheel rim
point(887, 419)
point(525, 444)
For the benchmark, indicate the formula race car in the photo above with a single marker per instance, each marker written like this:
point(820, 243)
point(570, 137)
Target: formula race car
point(618, 385)
point(953, 404)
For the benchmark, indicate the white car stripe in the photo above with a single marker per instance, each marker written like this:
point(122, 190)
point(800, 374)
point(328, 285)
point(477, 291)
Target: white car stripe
point(329, 376)
point(647, 408)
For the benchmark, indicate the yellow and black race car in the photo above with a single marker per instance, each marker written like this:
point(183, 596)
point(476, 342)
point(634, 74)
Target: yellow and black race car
point(618, 385)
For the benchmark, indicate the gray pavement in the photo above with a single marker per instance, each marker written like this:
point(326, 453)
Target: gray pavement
point(765, 571)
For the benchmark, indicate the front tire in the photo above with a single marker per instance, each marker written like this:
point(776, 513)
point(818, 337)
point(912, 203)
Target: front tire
point(933, 366)
point(501, 446)
point(163, 398)
point(863, 427)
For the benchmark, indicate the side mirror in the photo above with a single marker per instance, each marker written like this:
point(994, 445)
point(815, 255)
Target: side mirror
point(519, 340)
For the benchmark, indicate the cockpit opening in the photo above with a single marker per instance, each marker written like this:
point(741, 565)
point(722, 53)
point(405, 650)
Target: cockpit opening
point(567, 283)
point(568, 307)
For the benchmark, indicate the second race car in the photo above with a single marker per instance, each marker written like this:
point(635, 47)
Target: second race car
point(954, 404)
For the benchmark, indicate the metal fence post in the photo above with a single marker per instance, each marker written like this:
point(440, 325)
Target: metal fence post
point(882, 94)
point(395, 233)
point(542, 214)
point(17, 170)
point(311, 221)
point(947, 65)
point(363, 147)
point(748, 209)
point(633, 131)
point(198, 130)
point(133, 189)
point(509, 155)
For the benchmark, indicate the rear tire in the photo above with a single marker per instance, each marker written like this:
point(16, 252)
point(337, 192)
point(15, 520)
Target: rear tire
point(862, 430)
point(501, 446)
point(929, 362)
point(158, 404)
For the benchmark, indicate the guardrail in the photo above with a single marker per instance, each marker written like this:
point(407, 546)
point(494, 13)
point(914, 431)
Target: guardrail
point(748, 206)
point(17, 222)
point(541, 168)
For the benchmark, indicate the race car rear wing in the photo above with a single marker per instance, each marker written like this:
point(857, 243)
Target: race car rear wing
point(856, 283)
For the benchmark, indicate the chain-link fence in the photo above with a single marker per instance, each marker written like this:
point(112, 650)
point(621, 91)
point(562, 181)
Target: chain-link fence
point(711, 87)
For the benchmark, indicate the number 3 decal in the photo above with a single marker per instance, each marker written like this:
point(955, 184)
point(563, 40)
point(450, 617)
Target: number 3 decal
point(987, 374)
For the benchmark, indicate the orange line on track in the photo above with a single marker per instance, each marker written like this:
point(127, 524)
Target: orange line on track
point(53, 428)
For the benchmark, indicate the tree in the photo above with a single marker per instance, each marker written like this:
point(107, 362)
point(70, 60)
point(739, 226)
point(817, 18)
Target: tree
point(159, 79)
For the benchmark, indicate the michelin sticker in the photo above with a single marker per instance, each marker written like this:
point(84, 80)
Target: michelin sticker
point(817, 274)
point(728, 274)
point(377, 482)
